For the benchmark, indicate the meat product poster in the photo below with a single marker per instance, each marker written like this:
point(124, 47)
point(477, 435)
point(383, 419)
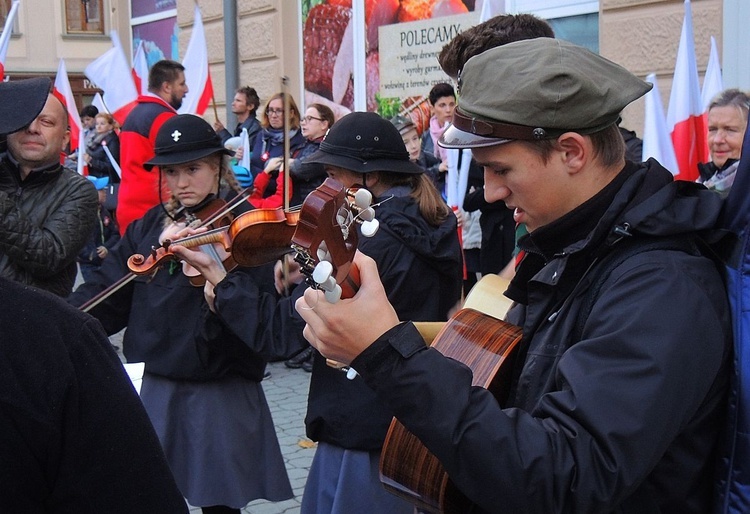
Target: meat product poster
point(409, 51)
point(409, 69)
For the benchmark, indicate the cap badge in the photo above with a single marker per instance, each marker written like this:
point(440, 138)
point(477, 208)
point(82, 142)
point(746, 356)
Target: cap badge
point(176, 135)
point(539, 133)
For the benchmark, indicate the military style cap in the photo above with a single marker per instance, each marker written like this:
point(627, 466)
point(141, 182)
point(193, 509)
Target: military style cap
point(21, 101)
point(538, 89)
point(184, 138)
point(364, 142)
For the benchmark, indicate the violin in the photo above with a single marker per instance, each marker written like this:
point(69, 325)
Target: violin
point(213, 215)
point(215, 212)
point(252, 238)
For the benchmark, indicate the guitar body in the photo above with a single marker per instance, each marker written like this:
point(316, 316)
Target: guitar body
point(407, 468)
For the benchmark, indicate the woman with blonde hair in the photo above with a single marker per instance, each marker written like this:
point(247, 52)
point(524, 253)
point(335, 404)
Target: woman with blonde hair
point(268, 151)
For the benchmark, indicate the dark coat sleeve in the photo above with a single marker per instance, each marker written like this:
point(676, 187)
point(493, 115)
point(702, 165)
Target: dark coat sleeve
point(268, 325)
point(622, 398)
point(79, 440)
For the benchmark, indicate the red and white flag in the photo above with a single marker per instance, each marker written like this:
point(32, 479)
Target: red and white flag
point(111, 72)
point(685, 120)
point(713, 83)
point(657, 142)
point(64, 93)
point(140, 70)
point(197, 76)
point(5, 36)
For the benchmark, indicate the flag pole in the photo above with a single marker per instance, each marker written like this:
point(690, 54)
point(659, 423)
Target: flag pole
point(216, 112)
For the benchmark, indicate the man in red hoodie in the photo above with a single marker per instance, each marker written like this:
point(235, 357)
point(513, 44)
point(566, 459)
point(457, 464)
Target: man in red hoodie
point(140, 189)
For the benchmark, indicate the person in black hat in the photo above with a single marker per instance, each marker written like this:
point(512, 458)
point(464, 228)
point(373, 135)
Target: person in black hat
point(46, 211)
point(617, 394)
point(201, 384)
point(75, 436)
point(418, 253)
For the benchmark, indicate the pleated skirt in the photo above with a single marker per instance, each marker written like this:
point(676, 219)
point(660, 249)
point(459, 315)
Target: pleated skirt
point(219, 440)
point(345, 481)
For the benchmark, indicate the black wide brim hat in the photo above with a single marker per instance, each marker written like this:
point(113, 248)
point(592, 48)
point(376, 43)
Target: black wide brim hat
point(21, 101)
point(363, 142)
point(185, 138)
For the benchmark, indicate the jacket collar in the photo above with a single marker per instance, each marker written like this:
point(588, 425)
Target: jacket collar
point(37, 175)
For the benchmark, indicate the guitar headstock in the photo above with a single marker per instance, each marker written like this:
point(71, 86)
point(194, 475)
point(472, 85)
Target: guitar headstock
point(326, 237)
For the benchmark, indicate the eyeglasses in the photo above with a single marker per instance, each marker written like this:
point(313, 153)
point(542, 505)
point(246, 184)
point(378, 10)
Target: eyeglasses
point(308, 119)
point(274, 112)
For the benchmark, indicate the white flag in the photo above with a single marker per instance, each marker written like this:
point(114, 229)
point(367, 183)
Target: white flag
point(64, 93)
point(5, 36)
point(197, 76)
point(657, 142)
point(245, 162)
point(713, 83)
point(140, 70)
point(111, 72)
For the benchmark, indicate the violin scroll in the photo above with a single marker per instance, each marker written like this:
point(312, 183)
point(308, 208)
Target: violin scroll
point(325, 240)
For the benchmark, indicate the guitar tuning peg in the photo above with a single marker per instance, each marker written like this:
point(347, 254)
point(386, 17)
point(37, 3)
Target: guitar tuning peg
point(370, 228)
point(367, 214)
point(322, 272)
point(362, 198)
point(334, 295)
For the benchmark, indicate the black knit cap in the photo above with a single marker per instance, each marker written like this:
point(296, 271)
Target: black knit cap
point(364, 142)
point(184, 138)
point(21, 101)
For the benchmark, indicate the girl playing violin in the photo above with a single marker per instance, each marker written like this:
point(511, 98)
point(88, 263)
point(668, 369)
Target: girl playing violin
point(419, 261)
point(201, 385)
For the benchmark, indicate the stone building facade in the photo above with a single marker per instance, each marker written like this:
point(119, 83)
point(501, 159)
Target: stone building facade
point(642, 35)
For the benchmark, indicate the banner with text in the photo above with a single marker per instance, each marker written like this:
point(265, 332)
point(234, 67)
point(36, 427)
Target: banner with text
point(409, 51)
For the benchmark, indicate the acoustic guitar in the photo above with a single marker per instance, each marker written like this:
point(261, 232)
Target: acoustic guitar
point(488, 346)
point(325, 242)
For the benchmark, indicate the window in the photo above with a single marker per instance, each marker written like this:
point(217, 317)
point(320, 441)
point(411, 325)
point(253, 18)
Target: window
point(4, 10)
point(84, 16)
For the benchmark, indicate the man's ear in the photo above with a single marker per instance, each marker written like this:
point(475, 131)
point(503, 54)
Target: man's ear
point(66, 140)
point(576, 150)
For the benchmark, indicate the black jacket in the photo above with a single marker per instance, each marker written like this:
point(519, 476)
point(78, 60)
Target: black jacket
point(75, 436)
point(420, 267)
point(624, 419)
point(169, 325)
point(44, 222)
point(251, 124)
point(306, 176)
point(100, 165)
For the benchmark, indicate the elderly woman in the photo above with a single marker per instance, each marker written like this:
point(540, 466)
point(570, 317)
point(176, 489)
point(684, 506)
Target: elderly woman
point(727, 121)
point(201, 385)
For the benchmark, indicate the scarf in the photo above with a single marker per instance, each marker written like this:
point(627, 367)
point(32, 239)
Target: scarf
point(96, 141)
point(435, 132)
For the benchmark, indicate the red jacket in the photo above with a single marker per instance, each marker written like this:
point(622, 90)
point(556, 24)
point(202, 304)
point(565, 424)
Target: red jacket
point(139, 189)
point(270, 202)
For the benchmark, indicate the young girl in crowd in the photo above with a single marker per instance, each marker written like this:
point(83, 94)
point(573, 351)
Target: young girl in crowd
point(201, 385)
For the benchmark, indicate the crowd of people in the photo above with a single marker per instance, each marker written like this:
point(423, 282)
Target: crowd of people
point(617, 391)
